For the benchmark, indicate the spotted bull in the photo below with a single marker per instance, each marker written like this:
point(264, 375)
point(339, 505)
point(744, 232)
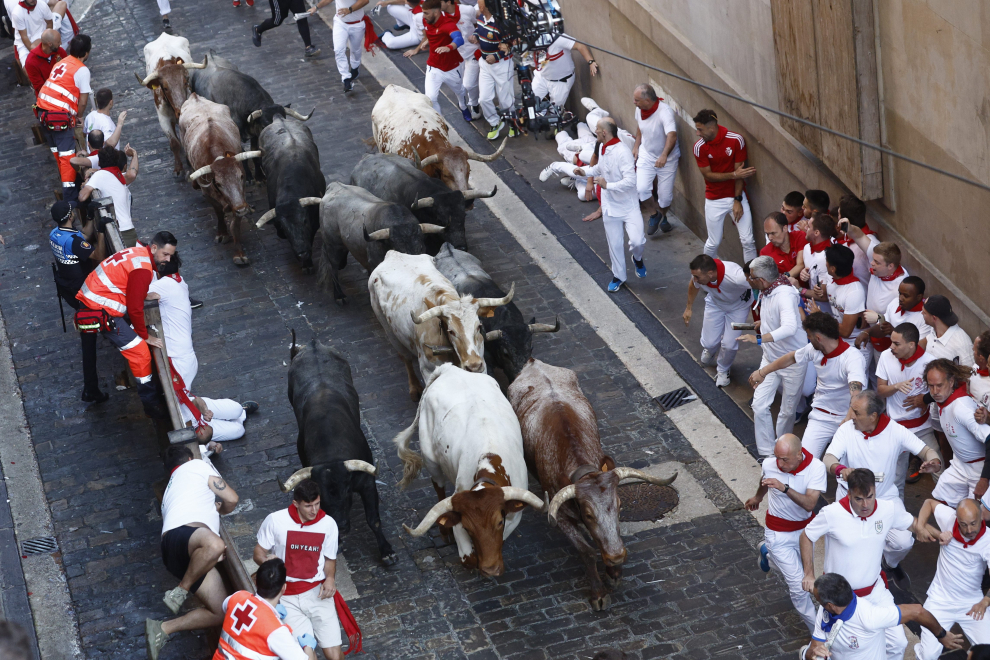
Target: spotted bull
point(470, 439)
point(564, 450)
point(332, 447)
point(210, 141)
point(424, 317)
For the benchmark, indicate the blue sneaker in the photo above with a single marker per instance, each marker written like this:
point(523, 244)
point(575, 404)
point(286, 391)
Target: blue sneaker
point(640, 269)
point(400, 27)
point(764, 557)
point(466, 113)
point(654, 224)
point(665, 225)
point(614, 285)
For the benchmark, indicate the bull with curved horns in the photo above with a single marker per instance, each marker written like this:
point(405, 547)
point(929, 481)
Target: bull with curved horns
point(331, 443)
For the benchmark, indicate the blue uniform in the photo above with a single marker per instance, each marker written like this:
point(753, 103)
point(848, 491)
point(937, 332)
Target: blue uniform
point(72, 252)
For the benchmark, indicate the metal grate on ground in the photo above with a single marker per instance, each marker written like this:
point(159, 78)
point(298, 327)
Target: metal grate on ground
point(43, 545)
point(672, 400)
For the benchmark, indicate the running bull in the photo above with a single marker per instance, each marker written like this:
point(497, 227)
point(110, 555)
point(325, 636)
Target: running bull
point(470, 439)
point(564, 450)
point(332, 447)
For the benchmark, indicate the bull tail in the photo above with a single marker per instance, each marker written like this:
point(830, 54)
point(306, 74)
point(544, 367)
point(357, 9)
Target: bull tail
point(412, 462)
point(325, 269)
point(293, 350)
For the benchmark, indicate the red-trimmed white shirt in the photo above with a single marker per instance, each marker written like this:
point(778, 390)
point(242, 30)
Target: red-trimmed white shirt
point(731, 290)
point(834, 377)
point(965, 435)
point(891, 370)
point(301, 546)
point(845, 297)
point(878, 452)
point(961, 564)
point(811, 477)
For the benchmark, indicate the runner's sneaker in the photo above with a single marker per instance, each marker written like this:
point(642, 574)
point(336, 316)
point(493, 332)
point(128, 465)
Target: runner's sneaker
point(614, 285)
point(475, 112)
point(665, 225)
point(250, 407)
point(399, 27)
point(640, 269)
point(466, 113)
point(514, 132)
point(722, 379)
point(654, 224)
point(589, 103)
point(174, 599)
point(494, 133)
point(547, 172)
point(764, 557)
point(707, 358)
point(255, 35)
point(312, 51)
point(568, 183)
point(355, 73)
point(155, 638)
point(348, 84)
point(167, 25)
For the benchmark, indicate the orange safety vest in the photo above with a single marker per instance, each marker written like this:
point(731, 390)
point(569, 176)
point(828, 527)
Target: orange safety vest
point(106, 286)
point(246, 627)
point(59, 93)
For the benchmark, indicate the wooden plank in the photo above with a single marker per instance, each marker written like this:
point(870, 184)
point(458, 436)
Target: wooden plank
point(797, 68)
point(867, 82)
point(153, 320)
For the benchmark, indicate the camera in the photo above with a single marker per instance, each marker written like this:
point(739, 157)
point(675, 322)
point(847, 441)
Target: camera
point(528, 25)
point(534, 114)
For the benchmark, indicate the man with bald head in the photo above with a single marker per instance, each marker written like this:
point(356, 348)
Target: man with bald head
point(43, 57)
point(795, 479)
point(956, 595)
point(656, 153)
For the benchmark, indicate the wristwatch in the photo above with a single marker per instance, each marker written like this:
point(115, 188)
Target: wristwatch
point(787, 487)
point(738, 198)
point(941, 634)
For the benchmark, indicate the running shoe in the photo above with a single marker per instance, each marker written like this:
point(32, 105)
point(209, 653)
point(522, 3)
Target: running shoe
point(155, 638)
point(654, 224)
point(547, 172)
point(707, 358)
point(174, 599)
point(355, 73)
point(312, 51)
point(250, 407)
point(614, 285)
point(764, 557)
point(496, 130)
point(640, 269)
point(348, 84)
point(665, 225)
point(255, 35)
point(722, 379)
point(466, 113)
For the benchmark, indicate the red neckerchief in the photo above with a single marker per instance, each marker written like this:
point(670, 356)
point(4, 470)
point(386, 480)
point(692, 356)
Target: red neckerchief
point(348, 623)
point(456, 14)
point(175, 276)
point(843, 239)
point(417, 9)
point(805, 462)
point(839, 350)
point(719, 276)
point(960, 393)
point(985, 371)
point(847, 279)
point(881, 425)
point(845, 505)
point(918, 352)
point(175, 468)
point(780, 281)
point(819, 247)
point(646, 114)
point(957, 535)
point(579, 162)
point(184, 396)
point(294, 514)
point(116, 172)
point(916, 308)
point(614, 140)
point(30, 8)
point(866, 229)
point(890, 278)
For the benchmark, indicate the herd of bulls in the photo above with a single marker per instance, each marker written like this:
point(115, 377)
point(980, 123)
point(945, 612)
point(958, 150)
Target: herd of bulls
point(403, 219)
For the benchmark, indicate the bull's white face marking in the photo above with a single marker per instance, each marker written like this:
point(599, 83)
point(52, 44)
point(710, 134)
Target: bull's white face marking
point(401, 115)
point(163, 48)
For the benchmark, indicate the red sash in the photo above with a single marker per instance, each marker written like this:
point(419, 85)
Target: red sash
point(866, 591)
point(783, 525)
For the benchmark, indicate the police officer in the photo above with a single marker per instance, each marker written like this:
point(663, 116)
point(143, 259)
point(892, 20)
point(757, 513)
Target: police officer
point(75, 257)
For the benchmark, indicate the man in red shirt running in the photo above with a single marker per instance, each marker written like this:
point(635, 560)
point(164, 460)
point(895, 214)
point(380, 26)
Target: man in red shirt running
point(444, 66)
point(42, 58)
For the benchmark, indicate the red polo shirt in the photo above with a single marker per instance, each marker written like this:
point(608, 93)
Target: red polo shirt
point(786, 260)
point(38, 66)
point(721, 155)
point(439, 35)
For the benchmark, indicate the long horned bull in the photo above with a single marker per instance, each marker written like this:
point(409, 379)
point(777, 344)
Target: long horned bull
point(471, 155)
point(289, 111)
point(270, 213)
point(385, 234)
point(481, 302)
point(208, 169)
point(307, 473)
point(545, 327)
point(154, 74)
point(570, 492)
point(447, 505)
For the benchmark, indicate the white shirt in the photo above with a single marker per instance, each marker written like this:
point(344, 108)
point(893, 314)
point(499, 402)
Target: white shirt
point(466, 24)
point(861, 260)
point(890, 369)
point(355, 16)
point(280, 641)
point(834, 377)
point(81, 78)
point(780, 316)
point(812, 477)
point(557, 62)
point(895, 318)
point(959, 576)
point(733, 292)
point(620, 197)
point(965, 435)
point(815, 263)
point(863, 635)
point(110, 186)
point(176, 314)
point(188, 498)
point(845, 299)
point(654, 132)
point(954, 345)
point(32, 22)
point(879, 294)
point(878, 453)
point(97, 121)
point(854, 546)
point(302, 548)
point(979, 388)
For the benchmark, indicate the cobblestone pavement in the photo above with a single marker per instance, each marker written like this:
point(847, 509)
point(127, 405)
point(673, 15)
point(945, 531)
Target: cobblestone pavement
point(691, 590)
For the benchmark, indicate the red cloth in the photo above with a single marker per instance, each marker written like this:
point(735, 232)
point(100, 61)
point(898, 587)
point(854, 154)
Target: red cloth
point(848, 279)
point(960, 393)
point(294, 514)
point(893, 276)
point(880, 343)
point(820, 247)
point(72, 21)
point(881, 425)
point(845, 505)
point(839, 350)
point(418, 9)
point(719, 276)
point(805, 462)
point(646, 114)
point(116, 172)
point(438, 34)
point(38, 66)
point(721, 155)
point(918, 352)
point(614, 140)
point(916, 308)
point(916, 421)
point(783, 525)
point(30, 8)
point(957, 534)
point(866, 591)
point(137, 290)
point(348, 623)
point(184, 396)
point(983, 372)
point(369, 36)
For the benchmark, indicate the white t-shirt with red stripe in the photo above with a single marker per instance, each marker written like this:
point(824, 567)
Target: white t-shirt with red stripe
point(302, 547)
point(891, 370)
point(878, 452)
point(557, 63)
point(965, 435)
point(810, 475)
point(959, 576)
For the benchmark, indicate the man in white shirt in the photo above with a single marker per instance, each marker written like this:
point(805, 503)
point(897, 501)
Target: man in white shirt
point(615, 173)
point(795, 480)
point(841, 374)
point(727, 301)
point(845, 294)
point(852, 628)
point(780, 333)
point(820, 234)
point(195, 498)
point(657, 154)
point(956, 594)
point(554, 71)
point(906, 308)
point(949, 341)
point(979, 382)
point(886, 276)
point(305, 538)
point(112, 180)
point(29, 20)
point(99, 119)
point(858, 237)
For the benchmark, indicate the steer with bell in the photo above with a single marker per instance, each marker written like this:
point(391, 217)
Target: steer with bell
point(564, 450)
point(469, 438)
point(331, 444)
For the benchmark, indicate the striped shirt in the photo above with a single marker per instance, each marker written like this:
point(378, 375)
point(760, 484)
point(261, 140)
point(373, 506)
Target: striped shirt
point(489, 39)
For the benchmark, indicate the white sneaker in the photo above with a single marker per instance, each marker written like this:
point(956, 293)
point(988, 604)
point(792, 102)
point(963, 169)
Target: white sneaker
point(547, 172)
point(574, 145)
point(589, 103)
point(721, 379)
point(707, 358)
point(568, 183)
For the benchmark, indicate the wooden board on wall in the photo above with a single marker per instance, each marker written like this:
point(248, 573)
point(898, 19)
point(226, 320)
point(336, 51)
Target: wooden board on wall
point(797, 68)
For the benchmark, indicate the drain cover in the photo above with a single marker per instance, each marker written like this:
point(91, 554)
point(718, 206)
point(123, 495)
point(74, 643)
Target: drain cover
point(44, 545)
point(678, 397)
point(642, 502)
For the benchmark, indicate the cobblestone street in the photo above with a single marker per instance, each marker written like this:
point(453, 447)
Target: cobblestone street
point(691, 590)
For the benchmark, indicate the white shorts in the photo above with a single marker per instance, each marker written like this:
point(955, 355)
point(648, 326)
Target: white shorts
point(308, 615)
point(647, 171)
point(558, 91)
point(957, 482)
point(947, 614)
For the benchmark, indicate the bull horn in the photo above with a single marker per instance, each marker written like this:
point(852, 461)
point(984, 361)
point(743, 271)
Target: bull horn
point(299, 116)
point(360, 466)
point(439, 350)
point(377, 235)
point(523, 494)
point(564, 494)
point(193, 65)
point(294, 480)
point(265, 219)
point(310, 201)
point(201, 172)
point(494, 335)
point(253, 116)
point(247, 155)
point(479, 194)
point(497, 302)
point(416, 161)
point(545, 327)
point(424, 203)
point(440, 508)
point(428, 228)
point(487, 159)
point(146, 81)
point(431, 313)
point(429, 160)
point(633, 473)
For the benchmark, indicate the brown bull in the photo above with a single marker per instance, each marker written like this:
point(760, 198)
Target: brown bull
point(213, 145)
point(564, 450)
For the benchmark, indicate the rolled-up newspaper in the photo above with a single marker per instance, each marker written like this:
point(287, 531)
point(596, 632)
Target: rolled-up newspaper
point(744, 326)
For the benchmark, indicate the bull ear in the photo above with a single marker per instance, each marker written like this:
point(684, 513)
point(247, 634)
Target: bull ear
point(514, 506)
point(609, 464)
point(449, 519)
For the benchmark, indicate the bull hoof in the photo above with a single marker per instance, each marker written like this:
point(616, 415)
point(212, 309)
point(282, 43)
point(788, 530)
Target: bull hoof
point(241, 261)
point(389, 560)
point(340, 301)
point(613, 581)
point(179, 175)
point(600, 603)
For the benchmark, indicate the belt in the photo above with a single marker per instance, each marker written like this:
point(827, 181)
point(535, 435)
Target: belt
point(866, 591)
point(827, 412)
point(976, 460)
point(564, 79)
point(916, 422)
point(776, 524)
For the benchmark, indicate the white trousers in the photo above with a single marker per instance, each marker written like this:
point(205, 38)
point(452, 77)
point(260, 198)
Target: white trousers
point(405, 40)
point(187, 365)
point(402, 14)
point(453, 79)
point(785, 558)
point(717, 329)
point(819, 431)
point(347, 35)
point(948, 614)
point(792, 380)
point(228, 418)
point(957, 482)
point(307, 614)
point(632, 223)
point(164, 8)
point(472, 72)
point(558, 91)
point(896, 640)
point(716, 211)
point(647, 171)
point(21, 51)
point(495, 81)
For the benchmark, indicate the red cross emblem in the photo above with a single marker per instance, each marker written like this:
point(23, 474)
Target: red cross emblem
point(243, 617)
point(58, 71)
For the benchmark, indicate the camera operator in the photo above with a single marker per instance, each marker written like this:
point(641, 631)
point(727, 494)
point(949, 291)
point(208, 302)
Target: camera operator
point(495, 72)
point(554, 74)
